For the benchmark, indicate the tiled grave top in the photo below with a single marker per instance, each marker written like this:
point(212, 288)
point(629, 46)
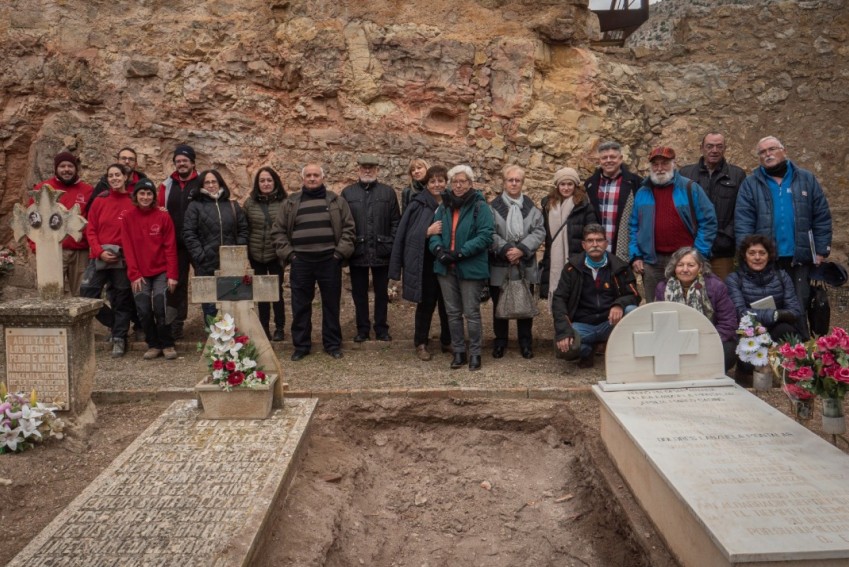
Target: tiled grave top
point(764, 487)
point(187, 492)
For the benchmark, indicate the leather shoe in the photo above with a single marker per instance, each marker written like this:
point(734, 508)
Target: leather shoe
point(386, 337)
point(527, 352)
point(423, 353)
point(361, 338)
point(497, 352)
point(459, 360)
point(278, 336)
point(299, 355)
point(337, 354)
point(586, 362)
point(475, 362)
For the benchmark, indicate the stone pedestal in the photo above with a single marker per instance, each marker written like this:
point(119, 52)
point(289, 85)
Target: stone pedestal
point(49, 347)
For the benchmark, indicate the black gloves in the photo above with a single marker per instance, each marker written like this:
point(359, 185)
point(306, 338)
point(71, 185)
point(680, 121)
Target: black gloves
point(445, 257)
point(785, 316)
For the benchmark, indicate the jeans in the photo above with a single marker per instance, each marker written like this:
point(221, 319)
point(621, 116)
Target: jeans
point(501, 327)
point(431, 300)
point(652, 275)
point(264, 307)
point(462, 299)
point(118, 316)
point(150, 305)
point(359, 293)
point(303, 277)
point(799, 274)
point(592, 334)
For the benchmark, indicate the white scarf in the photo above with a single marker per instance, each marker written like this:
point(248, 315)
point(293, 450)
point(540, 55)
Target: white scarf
point(557, 215)
point(515, 222)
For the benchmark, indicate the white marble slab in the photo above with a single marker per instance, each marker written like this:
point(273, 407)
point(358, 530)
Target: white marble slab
point(728, 479)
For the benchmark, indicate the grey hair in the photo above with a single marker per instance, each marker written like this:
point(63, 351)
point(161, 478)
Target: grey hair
point(704, 265)
point(610, 145)
point(464, 169)
point(303, 169)
point(512, 167)
point(765, 138)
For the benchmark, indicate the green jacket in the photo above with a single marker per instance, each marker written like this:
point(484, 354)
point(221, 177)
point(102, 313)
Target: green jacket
point(261, 211)
point(472, 240)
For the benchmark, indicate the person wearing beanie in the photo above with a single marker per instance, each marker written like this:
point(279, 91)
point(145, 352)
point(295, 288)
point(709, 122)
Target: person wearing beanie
point(785, 202)
point(566, 210)
point(107, 265)
point(150, 249)
point(611, 191)
point(66, 178)
point(670, 212)
point(174, 194)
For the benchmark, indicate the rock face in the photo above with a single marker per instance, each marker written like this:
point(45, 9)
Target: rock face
point(484, 82)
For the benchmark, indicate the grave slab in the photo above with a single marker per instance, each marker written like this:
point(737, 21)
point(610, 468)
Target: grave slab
point(727, 479)
point(186, 492)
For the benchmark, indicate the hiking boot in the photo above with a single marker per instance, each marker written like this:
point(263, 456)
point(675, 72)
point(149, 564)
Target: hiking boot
point(169, 353)
point(151, 353)
point(118, 348)
point(423, 353)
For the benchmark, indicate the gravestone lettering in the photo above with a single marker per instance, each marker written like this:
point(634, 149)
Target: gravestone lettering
point(37, 359)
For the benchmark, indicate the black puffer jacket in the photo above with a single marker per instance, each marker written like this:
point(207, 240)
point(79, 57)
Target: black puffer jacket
point(721, 188)
point(212, 223)
point(410, 249)
point(746, 286)
point(374, 207)
point(582, 215)
point(261, 210)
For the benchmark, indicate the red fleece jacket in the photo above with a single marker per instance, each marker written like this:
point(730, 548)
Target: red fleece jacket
point(150, 246)
point(105, 219)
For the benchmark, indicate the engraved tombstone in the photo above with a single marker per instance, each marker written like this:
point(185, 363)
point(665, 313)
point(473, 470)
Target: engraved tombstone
point(726, 478)
point(49, 341)
point(235, 287)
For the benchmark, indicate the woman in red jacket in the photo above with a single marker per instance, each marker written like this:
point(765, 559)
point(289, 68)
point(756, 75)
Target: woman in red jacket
point(150, 247)
point(106, 257)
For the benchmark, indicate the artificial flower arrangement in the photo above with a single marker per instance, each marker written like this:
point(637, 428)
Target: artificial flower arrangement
point(24, 422)
point(7, 261)
point(755, 341)
point(818, 367)
point(231, 357)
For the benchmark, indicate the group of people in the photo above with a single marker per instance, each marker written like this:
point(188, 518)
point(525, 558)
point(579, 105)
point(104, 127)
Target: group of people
point(679, 230)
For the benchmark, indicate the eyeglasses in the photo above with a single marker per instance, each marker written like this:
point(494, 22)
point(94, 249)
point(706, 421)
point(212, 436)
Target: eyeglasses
point(211, 182)
point(770, 150)
point(126, 158)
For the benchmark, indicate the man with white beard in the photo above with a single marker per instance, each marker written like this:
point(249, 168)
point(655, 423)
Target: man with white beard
point(670, 211)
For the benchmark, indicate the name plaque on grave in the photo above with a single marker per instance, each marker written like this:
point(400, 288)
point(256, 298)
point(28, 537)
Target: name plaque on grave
point(37, 359)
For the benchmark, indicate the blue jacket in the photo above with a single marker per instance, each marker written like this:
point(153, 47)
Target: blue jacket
point(746, 287)
point(641, 224)
point(754, 212)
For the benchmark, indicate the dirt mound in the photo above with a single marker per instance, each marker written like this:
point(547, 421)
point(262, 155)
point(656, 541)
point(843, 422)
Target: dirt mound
point(403, 482)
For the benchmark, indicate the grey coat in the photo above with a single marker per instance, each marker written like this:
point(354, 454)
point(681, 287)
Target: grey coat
point(534, 236)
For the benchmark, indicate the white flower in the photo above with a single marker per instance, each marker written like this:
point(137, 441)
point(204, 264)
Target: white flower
point(764, 339)
point(29, 427)
point(29, 413)
point(235, 348)
point(222, 348)
point(248, 363)
point(10, 437)
point(748, 345)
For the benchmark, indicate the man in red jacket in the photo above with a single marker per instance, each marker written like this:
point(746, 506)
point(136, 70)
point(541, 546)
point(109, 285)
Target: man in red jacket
point(75, 192)
point(174, 194)
point(150, 249)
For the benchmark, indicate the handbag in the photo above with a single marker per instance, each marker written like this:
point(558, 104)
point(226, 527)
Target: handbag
point(516, 300)
point(819, 309)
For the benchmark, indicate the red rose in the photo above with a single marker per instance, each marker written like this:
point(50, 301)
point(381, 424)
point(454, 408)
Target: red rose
point(242, 339)
point(247, 280)
point(217, 364)
point(236, 378)
point(230, 366)
point(260, 375)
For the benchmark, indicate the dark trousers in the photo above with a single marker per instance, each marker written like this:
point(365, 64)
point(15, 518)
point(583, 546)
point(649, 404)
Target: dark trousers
point(178, 302)
point(150, 305)
point(303, 277)
point(501, 327)
point(118, 316)
point(799, 274)
point(275, 269)
point(431, 300)
point(359, 292)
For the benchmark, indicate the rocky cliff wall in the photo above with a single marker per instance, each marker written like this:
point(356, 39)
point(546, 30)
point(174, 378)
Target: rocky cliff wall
point(485, 82)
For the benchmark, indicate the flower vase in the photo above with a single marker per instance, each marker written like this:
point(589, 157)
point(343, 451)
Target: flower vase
point(803, 410)
point(238, 403)
point(762, 378)
point(833, 420)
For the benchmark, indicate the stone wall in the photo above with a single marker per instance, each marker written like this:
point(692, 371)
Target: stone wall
point(485, 82)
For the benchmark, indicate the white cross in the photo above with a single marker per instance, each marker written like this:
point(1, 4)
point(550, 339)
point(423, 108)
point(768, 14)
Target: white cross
point(666, 343)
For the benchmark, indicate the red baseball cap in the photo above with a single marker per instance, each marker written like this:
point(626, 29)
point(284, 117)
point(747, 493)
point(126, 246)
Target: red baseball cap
point(662, 152)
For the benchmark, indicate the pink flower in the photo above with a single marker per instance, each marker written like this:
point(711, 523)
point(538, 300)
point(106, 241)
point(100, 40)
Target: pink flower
point(799, 351)
point(789, 364)
point(828, 342)
point(827, 359)
point(797, 392)
point(802, 373)
point(217, 364)
point(786, 350)
point(749, 332)
point(236, 378)
point(842, 375)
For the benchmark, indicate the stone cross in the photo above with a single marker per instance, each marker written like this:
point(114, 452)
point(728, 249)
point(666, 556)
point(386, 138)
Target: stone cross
point(237, 289)
point(666, 342)
point(46, 222)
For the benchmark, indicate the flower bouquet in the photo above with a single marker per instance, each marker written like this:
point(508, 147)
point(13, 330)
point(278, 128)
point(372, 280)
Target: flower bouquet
point(24, 422)
point(231, 356)
point(753, 347)
point(236, 388)
point(7, 261)
point(819, 367)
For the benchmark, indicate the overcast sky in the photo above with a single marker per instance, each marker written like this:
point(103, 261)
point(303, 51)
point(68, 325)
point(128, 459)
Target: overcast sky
point(605, 4)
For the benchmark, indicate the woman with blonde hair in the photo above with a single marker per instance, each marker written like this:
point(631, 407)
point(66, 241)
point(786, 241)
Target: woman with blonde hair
point(417, 170)
point(565, 212)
